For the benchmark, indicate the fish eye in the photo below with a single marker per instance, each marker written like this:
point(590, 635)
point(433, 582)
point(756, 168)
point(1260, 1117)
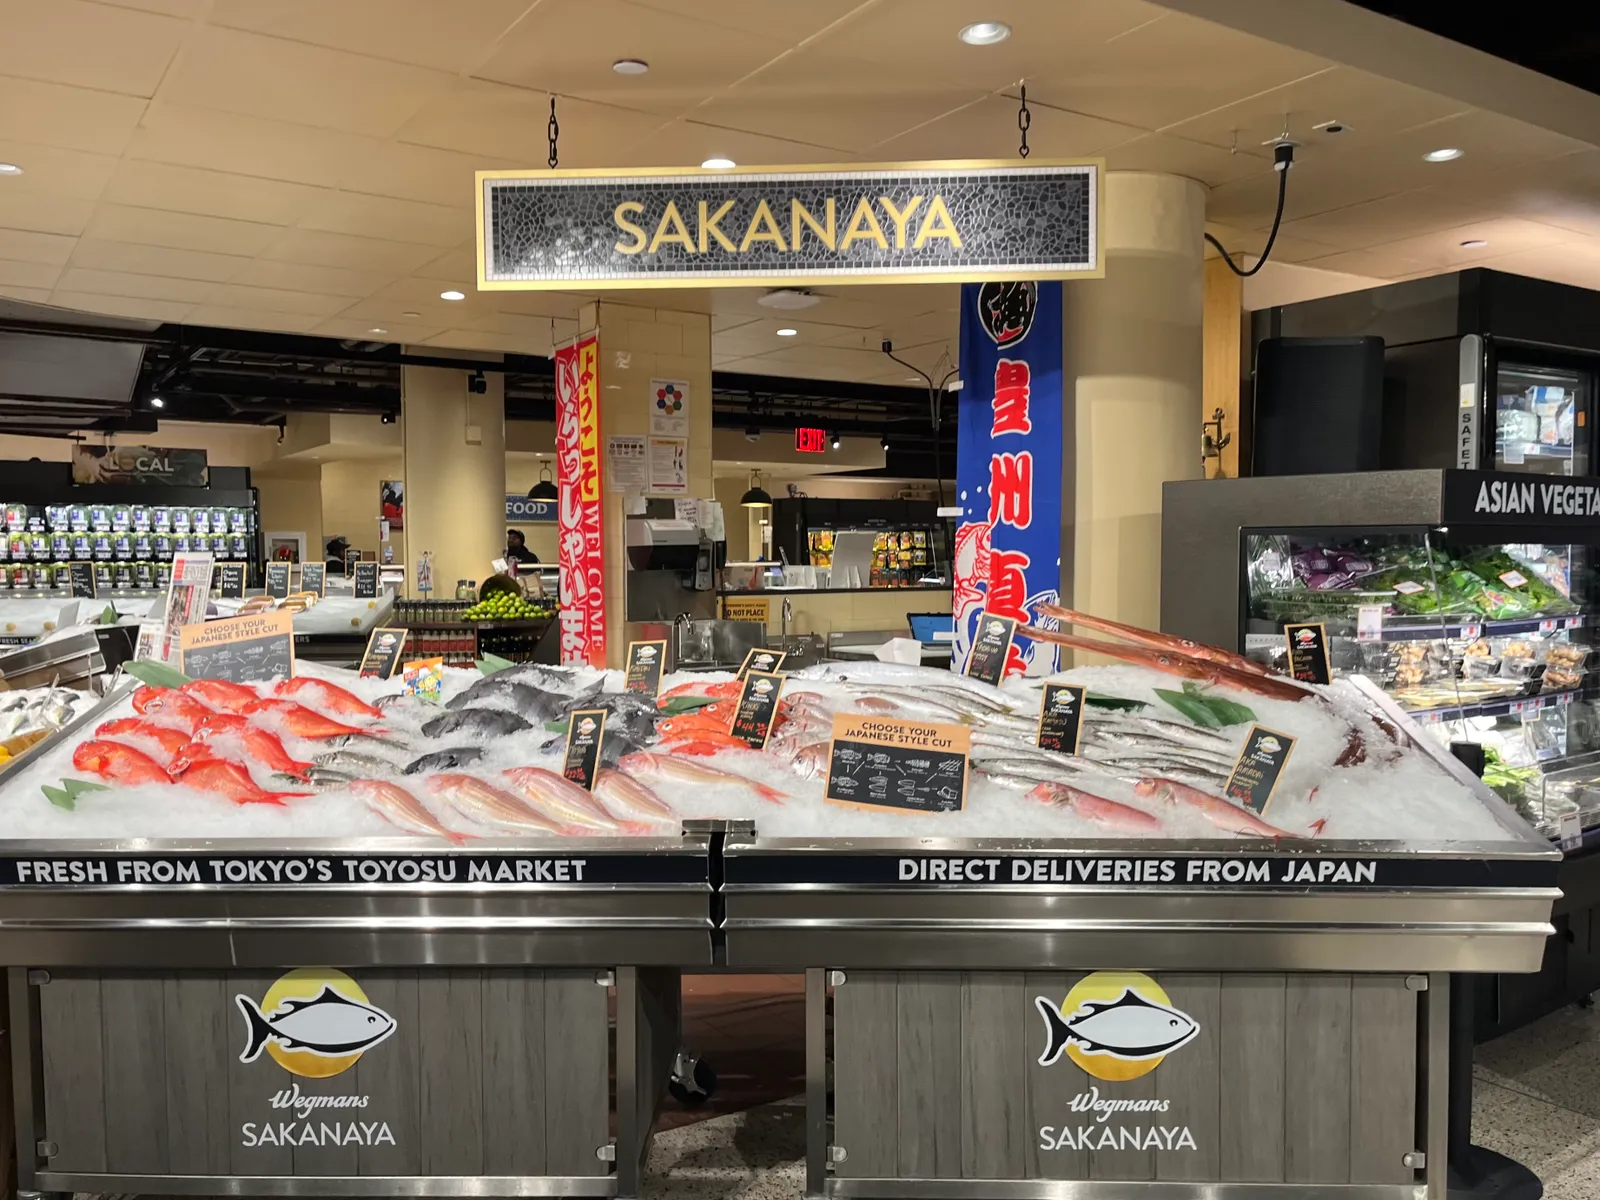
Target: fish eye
point(372, 1020)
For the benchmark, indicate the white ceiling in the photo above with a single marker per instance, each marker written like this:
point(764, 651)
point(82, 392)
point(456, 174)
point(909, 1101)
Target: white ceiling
point(306, 165)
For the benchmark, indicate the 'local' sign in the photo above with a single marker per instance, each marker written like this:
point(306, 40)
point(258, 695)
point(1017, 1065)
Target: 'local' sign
point(771, 226)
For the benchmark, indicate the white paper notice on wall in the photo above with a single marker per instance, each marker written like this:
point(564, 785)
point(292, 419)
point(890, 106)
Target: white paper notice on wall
point(669, 408)
point(669, 466)
point(625, 463)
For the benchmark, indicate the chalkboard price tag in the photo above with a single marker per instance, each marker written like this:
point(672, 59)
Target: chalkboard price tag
point(366, 580)
point(585, 730)
point(82, 576)
point(1308, 652)
point(314, 578)
point(385, 649)
point(1061, 717)
point(645, 660)
point(241, 649)
point(907, 766)
point(231, 580)
point(767, 661)
point(758, 707)
point(1255, 773)
point(990, 649)
point(278, 580)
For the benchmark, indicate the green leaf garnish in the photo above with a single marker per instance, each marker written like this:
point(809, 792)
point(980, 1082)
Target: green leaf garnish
point(156, 674)
point(60, 797)
point(489, 664)
point(1115, 702)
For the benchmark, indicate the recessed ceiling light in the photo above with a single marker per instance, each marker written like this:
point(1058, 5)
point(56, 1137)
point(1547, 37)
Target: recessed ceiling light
point(787, 332)
point(914, 379)
point(1444, 155)
point(1473, 243)
point(375, 329)
point(985, 33)
point(789, 298)
point(412, 315)
point(718, 164)
point(452, 294)
point(10, 169)
point(630, 66)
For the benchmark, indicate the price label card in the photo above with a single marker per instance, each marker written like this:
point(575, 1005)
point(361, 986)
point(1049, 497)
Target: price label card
point(385, 649)
point(1471, 632)
point(990, 649)
point(1547, 626)
point(908, 766)
point(314, 578)
point(366, 581)
point(585, 730)
point(643, 672)
point(232, 580)
point(1061, 717)
point(1308, 653)
point(758, 708)
point(1255, 773)
point(1571, 830)
point(241, 649)
point(278, 580)
point(767, 661)
point(1369, 623)
point(82, 576)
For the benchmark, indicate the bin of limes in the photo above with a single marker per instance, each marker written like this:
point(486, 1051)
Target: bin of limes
point(501, 599)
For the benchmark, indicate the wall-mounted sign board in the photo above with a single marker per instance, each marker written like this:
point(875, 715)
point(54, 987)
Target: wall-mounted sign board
point(932, 222)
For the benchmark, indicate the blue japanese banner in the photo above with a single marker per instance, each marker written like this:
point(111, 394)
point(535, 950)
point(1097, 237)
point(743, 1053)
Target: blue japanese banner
point(1008, 465)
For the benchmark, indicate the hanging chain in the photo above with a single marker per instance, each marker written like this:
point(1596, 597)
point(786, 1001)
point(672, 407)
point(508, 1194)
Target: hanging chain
point(1024, 119)
point(554, 132)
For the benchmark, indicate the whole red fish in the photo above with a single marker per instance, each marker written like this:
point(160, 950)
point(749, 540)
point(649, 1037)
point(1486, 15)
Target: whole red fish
point(170, 705)
point(1221, 813)
point(266, 748)
point(326, 695)
point(727, 690)
point(118, 763)
point(302, 721)
point(1097, 808)
point(220, 694)
point(169, 739)
point(229, 779)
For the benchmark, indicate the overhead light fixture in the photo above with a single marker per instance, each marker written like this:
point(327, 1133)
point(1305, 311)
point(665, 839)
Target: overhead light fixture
point(375, 329)
point(630, 66)
point(835, 442)
point(789, 299)
point(718, 164)
point(545, 489)
point(787, 332)
point(387, 418)
point(452, 294)
point(157, 402)
point(1444, 155)
point(884, 442)
point(1473, 243)
point(10, 169)
point(757, 496)
point(477, 385)
point(752, 433)
point(985, 33)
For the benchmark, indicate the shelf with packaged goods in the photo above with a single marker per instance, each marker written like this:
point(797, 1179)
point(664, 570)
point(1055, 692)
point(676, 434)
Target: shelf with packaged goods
point(1504, 706)
point(1450, 629)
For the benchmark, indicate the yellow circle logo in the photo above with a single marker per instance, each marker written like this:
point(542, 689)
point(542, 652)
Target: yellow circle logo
point(1116, 1025)
point(314, 1022)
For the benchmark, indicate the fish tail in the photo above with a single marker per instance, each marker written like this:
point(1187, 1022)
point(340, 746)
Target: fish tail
point(1057, 1032)
point(771, 793)
point(300, 770)
point(257, 1031)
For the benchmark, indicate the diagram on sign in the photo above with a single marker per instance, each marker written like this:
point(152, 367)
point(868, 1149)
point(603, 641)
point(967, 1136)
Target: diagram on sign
point(901, 765)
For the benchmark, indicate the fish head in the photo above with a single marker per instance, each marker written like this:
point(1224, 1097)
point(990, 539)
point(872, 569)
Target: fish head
point(92, 756)
point(148, 699)
point(185, 758)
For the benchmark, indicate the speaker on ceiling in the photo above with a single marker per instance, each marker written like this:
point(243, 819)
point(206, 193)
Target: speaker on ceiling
point(1318, 405)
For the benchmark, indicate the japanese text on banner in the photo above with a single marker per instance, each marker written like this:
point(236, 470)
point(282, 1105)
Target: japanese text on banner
point(579, 519)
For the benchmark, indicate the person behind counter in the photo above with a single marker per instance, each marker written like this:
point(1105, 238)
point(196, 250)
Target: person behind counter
point(338, 547)
point(517, 548)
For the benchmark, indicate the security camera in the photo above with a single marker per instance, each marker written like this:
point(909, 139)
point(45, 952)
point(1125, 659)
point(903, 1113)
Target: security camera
point(477, 385)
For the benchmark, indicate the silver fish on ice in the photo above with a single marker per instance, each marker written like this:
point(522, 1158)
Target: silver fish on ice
point(330, 1025)
point(1130, 1028)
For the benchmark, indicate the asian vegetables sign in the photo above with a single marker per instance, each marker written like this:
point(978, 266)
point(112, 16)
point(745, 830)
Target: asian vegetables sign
point(1008, 465)
point(579, 522)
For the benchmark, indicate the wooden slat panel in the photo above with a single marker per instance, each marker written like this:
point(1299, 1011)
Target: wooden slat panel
point(865, 1059)
point(1316, 1117)
point(928, 1019)
point(197, 1009)
point(335, 1158)
point(1049, 1089)
point(515, 1078)
point(1251, 1059)
point(391, 1075)
point(74, 1072)
point(251, 1085)
point(577, 1052)
point(1383, 1078)
point(133, 1040)
point(1190, 1078)
point(1126, 1164)
point(993, 1087)
point(450, 1014)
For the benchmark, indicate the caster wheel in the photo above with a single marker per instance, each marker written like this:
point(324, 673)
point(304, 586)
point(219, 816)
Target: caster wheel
point(694, 1088)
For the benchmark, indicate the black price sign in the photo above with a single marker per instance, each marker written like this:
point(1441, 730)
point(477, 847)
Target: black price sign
point(231, 580)
point(645, 660)
point(585, 730)
point(278, 580)
point(767, 661)
point(1255, 773)
point(241, 649)
point(758, 707)
point(990, 649)
point(82, 576)
point(385, 649)
point(1061, 717)
point(314, 578)
point(366, 580)
point(1308, 653)
point(909, 766)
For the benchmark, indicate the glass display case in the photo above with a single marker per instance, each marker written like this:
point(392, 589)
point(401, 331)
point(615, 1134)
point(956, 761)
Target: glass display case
point(1541, 414)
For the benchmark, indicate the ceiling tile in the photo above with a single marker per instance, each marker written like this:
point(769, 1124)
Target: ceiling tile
point(88, 45)
point(988, 129)
point(21, 245)
point(1244, 244)
point(243, 145)
point(395, 220)
point(418, 172)
point(211, 193)
point(121, 306)
point(533, 342)
point(231, 71)
point(31, 295)
point(141, 287)
point(1384, 220)
point(302, 277)
point(28, 274)
point(690, 143)
point(245, 318)
point(40, 212)
point(349, 327)
point(1576, 262)
point(1442, 250)
point(257, 299)
point(70, 118)
point(508, 123)
point(181, 231)
point(155, 260)
point(770, 18)
point(170, 8)
point(1193, 160)
point(317, 248)
point(59, 172)
point(1366, 262)
point(424, 33)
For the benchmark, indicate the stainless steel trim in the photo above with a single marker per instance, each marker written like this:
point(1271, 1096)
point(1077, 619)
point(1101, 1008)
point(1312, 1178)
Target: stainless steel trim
point(816, 1080)
point(27, 1074)
point(1436, 1104)
point(330, 1185)
point(1106, 1189)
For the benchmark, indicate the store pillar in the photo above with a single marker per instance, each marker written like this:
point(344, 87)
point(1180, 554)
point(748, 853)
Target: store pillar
point(1132, 392)
point(455, 472)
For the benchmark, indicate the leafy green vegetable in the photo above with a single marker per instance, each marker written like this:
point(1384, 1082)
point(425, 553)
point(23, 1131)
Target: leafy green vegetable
point(686, 704)
point(59, 797)
point(66, 796)
point(155, 674)
point(77, 787)
point(1229, 712)
point(109, 616)
point(1193, 707)
point(491, 663)
point(1116, 702)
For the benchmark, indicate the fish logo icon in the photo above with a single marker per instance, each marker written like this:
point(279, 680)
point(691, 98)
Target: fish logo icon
point(313, 1023)
point(1269, 745)
point(1304, 636)
point(586, 725)
point(997, 627)
point(763, 686)
point(1116, 1025)
point(646, 653)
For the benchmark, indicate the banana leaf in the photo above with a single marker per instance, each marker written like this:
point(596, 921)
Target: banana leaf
point(156, 674)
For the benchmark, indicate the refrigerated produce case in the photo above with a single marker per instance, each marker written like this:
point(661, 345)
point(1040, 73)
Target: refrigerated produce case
point(910, 541)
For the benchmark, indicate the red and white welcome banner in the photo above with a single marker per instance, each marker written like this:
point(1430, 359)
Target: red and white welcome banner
point(579, 520)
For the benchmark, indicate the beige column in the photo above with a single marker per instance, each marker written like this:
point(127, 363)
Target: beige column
point(638, 344)
point(455, 473)
point(1132, 382)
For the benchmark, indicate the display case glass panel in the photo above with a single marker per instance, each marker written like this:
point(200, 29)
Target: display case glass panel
point(1542, 420)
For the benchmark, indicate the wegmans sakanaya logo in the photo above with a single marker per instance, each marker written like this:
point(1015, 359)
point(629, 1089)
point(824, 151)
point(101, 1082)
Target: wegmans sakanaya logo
point(314, 1022)
point(1116, 1025)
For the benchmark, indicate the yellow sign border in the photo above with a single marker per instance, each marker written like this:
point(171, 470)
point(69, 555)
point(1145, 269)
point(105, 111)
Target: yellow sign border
point(974, 275)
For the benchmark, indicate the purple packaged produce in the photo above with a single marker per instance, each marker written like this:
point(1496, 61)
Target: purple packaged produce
point(163, 574)
point(180, 520)
point(81, 550)
point(144, 576)
point(122, 545)
point(39, 547)
point(200, 520)
point(141, 518)
point(141, 545)
point(102, 546)
point(121, 518)
point(163, 546)
point(60, 546)
point(99, 518)
point(78, 518)
point(55, 517)
point(102, 577)
point(122, 577)
point(161, 520)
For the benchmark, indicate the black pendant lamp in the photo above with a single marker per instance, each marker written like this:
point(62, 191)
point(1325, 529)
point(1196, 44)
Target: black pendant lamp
point(545, 489)
point(757, 496)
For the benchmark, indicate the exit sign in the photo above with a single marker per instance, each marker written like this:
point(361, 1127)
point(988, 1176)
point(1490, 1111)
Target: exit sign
point(811, 441)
